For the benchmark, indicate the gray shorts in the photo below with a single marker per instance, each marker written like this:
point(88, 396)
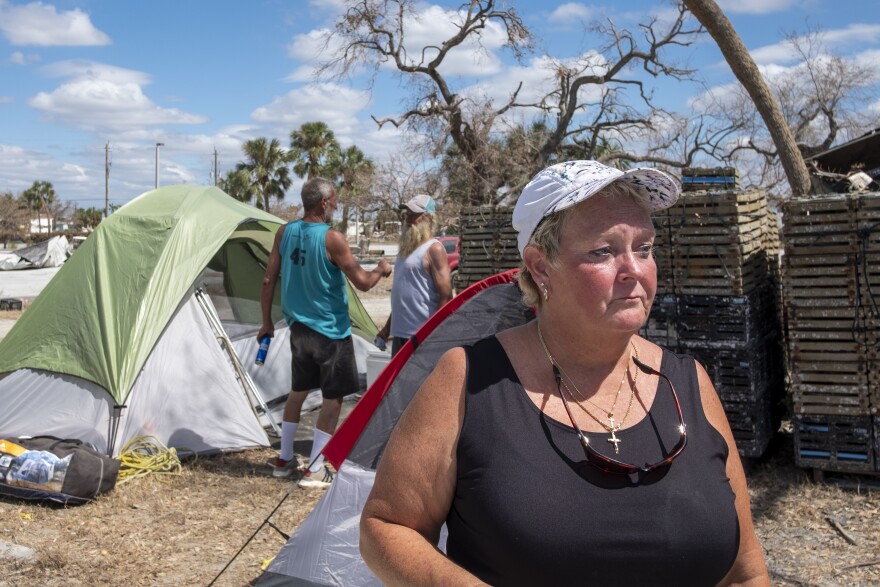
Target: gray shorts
point(318, 361)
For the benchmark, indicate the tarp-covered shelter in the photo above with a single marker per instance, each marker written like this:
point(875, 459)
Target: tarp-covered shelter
point(140, 332)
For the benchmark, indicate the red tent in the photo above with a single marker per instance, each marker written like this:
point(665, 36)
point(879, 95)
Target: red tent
point(324, 549)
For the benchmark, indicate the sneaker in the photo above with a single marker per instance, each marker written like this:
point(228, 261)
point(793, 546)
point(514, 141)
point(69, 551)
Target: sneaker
point(284, 468)
point(317, 480)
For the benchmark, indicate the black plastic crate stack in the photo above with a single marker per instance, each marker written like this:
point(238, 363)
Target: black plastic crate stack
point(488, 243)
point(831, 292)
point(709, 178)
point(720, 303)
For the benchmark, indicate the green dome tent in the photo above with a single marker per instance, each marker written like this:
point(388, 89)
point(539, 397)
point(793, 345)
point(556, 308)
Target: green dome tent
point(133, 335)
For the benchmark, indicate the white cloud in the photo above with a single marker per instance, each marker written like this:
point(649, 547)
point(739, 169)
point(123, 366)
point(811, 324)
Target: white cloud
point(570, 13)
point(715, 97)
point(303, 74)
point(100, 96)
point(93, 70)
point(41, 24)
point(330, 103)
point(308, 47)
point(869, 60)
point(335, 5)
point(17, 58)
point(538, 77)
point(778, 53)
point(427, 29)
point(6, 99)
point(20, 167)
point(436, 24)
point(755, 6)
point(855, 34)
point(836, 40)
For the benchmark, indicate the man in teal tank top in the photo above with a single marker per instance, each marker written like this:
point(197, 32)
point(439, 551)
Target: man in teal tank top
point(313, 261)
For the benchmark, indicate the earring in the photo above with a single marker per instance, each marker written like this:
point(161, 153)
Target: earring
point(546, 293)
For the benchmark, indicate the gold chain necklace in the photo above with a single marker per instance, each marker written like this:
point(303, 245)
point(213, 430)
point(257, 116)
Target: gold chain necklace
point(612, 426)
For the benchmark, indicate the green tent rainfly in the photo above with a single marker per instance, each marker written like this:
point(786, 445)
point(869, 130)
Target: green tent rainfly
point(101, 316)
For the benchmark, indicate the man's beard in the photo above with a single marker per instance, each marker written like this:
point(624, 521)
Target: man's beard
point(412, 236)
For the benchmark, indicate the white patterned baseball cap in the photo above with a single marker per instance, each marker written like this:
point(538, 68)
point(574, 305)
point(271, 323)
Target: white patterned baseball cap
point(565, 184)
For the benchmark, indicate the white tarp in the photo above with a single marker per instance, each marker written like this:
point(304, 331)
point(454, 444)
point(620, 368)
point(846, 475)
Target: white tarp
point(51, 253)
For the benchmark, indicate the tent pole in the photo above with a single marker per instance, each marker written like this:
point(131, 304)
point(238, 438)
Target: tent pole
point(243, 376)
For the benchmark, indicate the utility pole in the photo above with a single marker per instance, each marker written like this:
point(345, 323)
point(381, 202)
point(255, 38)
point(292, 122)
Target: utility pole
point(157, 162)
point(107, 180)
point(216, 178)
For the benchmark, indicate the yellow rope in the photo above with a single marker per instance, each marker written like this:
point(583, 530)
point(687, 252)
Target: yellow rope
point(146, 455)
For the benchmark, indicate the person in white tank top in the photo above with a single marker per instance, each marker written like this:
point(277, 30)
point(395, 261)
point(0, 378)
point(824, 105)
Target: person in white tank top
point(422, 281)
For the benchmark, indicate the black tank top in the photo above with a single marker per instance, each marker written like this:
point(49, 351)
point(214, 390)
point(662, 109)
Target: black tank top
point(529, 510)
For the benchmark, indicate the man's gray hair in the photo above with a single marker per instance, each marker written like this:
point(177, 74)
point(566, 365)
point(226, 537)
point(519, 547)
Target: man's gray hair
point(315, 190)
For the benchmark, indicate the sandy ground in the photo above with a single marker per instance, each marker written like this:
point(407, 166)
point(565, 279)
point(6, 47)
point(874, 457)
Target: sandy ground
point(25, 285)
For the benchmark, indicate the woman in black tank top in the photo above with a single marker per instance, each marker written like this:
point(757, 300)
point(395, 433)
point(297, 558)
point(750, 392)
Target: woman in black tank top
point(568, 450)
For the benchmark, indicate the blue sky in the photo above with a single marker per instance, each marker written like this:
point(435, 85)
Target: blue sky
point(201, 75)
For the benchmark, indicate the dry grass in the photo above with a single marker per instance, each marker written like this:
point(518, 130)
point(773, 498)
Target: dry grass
point(10, 314)
point(183, 530)
point(792, 517)
point(179, 530)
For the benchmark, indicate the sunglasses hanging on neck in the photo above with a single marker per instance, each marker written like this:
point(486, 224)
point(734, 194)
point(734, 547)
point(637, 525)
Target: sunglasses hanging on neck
point(610, 465)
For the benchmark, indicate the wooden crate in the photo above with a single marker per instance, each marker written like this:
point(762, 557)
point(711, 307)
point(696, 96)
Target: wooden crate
point(717, 319)
point(661, 326)
point(819, 215)
point(752, 371)
point(711, 275)
point(835, 443)
point(664, 252)
point(831, 396)
point(807, 245)
point(715, 205)
point(753, 424)
point(818, 297)
point(821, 318)
point(488, 243)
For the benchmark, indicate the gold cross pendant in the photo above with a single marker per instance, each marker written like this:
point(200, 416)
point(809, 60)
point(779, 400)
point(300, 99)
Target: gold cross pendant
point(614, 440)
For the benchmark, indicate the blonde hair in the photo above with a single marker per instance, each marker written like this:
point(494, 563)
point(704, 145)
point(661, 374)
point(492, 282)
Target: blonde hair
point(411, 237)
point(549, 231)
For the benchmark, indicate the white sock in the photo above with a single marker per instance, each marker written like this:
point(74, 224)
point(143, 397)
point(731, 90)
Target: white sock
point(288, 433)
point(317, 459)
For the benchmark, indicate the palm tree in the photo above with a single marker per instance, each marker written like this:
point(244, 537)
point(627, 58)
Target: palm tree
point(88, 218)
point(313, 150)
point(266, 163)
point(354, 172)
point(237, 183)
point(38, 196)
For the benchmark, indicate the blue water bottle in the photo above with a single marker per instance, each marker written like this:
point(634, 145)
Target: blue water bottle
point(264, 348)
